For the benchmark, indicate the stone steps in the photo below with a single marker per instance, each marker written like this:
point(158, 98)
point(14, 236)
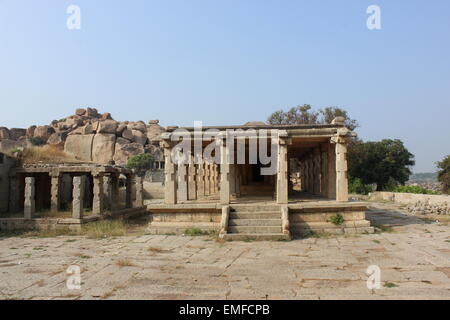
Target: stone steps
point(255, 222)
point(257, 215)
point(256, 237)
point(254, 229)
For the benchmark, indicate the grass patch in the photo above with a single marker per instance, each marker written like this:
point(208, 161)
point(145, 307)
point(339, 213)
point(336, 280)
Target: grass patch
point(196, 232)
point(388, 284)
point(48, 233)
point(104, 229)
point(124, 263)
point(46, 154)
point(318, 235)
point(376, 241)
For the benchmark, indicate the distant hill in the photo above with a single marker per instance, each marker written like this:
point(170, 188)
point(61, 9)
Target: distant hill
point(424, 176)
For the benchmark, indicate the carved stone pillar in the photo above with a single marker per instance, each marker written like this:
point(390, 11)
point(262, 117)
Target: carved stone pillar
point(192, 179)
point(224, 174)
point(317, 167)
point(29, 203)
point(139, 202)
point(201, 179)
point(282, 169)
point(79, 183)
point(97, 201)
point(182, 182)
point(340, 141)
point(324, 171)
point(55, 179)
point(129, 191)
point(170, 183)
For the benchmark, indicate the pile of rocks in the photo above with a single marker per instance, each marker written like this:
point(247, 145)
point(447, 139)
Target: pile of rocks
point(424, 208)
point(90, 136)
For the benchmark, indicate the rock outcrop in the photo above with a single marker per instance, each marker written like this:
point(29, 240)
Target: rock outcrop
point(90, 136)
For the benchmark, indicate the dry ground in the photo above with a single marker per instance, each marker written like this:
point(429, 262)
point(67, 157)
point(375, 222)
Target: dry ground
point(413, 254)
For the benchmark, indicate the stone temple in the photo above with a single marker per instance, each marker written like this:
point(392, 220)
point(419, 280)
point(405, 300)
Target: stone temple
point(308, 188)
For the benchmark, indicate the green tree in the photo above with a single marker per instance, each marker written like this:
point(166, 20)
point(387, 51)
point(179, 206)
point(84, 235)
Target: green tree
point(383, 162)
point(444, 173)
point(140, 163)
point(304, 114)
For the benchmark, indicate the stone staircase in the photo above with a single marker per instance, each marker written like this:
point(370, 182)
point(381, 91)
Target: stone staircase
point(255, 222)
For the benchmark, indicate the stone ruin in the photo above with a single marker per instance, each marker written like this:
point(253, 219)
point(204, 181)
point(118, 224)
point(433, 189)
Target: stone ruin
point(90, 136)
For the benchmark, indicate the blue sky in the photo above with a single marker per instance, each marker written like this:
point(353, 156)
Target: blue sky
point(229, 62)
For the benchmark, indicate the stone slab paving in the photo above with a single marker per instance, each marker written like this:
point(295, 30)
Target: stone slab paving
point(414, 259)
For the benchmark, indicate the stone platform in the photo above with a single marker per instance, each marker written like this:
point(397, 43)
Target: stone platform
point(260, 219)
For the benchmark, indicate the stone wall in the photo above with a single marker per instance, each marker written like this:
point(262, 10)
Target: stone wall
point(5, 164)
point(416, 203)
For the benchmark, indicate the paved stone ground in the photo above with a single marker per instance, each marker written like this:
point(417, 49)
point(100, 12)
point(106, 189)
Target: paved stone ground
point(415, 257)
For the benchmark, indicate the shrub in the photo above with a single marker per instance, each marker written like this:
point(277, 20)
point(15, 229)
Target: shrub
point(356, 186)
point(414, 189)
point(140, 163)
point(337, 219)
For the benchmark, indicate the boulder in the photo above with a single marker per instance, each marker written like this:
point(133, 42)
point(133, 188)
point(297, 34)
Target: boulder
point(103, 147)
point(127, 134)
point(43, 132)
point(126, 150)
point(92, 113)
point(80, 146)
point(106, 116)
point(120, 128)
point(7, 145)
point(139, 137)
point(57, 139)
point(107, 126)
point(80, 112)
point(154, 131)
point(4, 133)
point(16, 133)
point(30, 131)
point(139, 125)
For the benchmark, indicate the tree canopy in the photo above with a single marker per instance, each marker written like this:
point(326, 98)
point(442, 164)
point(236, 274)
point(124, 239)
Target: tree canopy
point(380, 162)
point(444, 173)
point(304, 114)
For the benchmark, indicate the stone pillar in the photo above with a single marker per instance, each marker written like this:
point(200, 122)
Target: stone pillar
point(282, 171)
point(233, 179)
point(13, 193)
point(129, 191)
point(207, 179)
point(170, 181)
point(331, 172)
point(115, 192)
point(212, 176)
point(341, 172)
point(311, 173)
point(98, 193)
point(238, 179)
point(55, 196)
point(182, 182)
point(324, 171)
point(106, 191)
point(29, 203)
point(79, 184)
point(201, 179)
point(317, 168)
point(224, 175)
point(192, 180)
point(139, 192)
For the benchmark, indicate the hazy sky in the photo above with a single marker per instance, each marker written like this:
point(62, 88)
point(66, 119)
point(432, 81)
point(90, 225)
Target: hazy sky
point(229, 62)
